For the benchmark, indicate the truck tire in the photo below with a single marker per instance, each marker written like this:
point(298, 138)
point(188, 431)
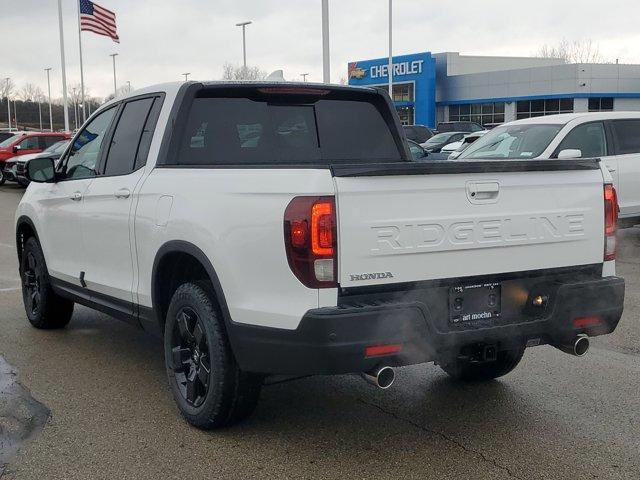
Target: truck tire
point(45, 309)
point(469, 371)
point(210, 389)
point(3, 177)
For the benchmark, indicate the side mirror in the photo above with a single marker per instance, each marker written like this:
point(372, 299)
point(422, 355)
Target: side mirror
point(41, 170)
point(570, 153)
point(16, 148)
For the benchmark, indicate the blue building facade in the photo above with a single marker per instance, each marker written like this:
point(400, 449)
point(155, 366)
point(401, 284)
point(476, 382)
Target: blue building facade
point(414, 84)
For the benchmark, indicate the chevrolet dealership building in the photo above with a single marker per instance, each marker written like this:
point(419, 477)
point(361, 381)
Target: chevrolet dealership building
point(430, 88)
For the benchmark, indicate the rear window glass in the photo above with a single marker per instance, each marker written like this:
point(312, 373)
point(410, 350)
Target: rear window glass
point(261, 131)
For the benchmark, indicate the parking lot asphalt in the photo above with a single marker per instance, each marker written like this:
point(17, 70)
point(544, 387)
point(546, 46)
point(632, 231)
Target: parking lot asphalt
point(112, 415)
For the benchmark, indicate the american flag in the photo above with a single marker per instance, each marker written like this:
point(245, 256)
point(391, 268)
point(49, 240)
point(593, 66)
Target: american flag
point(96, 19)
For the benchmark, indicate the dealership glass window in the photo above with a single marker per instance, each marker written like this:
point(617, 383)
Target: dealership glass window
point(541, 107)
point(403, 92)
point(601, 104)
point(482, 113)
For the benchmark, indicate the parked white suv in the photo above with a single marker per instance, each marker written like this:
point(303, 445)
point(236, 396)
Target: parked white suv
point(282, 229)
point(614, 137)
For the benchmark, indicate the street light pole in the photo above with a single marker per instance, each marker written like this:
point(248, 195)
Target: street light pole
point(40, 111)
point(326, 71)
point(304, 76)
point(244, 42)
point(128, 86)
point(115, 87)
point(75, 108)
point(8, 105)
point(49, 89)
point(65, 101)
point(390, 50)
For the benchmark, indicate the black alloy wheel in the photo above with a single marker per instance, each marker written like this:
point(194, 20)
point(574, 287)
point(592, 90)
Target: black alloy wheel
point(32, 281)
point(191, 357)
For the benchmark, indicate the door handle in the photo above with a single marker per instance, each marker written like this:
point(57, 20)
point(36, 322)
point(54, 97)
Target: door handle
point(611, 169)
point(483, 192)
point(76, 196)
point(122, 193)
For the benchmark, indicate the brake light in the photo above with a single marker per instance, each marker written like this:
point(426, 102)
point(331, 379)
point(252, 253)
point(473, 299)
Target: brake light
point(296, 90)
point(610, 222)
point(311, 242)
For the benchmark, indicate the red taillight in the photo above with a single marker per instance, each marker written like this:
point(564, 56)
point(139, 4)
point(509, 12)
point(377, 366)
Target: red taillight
point(322, 228)
point(380, 350)
point(310, 240)
point(610, 221)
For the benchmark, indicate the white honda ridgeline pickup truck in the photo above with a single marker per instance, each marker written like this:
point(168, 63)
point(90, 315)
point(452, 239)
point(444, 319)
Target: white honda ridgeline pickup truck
point(282, 229)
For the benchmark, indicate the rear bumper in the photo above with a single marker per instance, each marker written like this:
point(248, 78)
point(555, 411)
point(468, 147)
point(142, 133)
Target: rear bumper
point(333, 340)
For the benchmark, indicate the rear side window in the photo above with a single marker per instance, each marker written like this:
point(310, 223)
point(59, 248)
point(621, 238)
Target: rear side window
point(285, 130)
point(121, 158)
point(627, 136)
point(46, 142)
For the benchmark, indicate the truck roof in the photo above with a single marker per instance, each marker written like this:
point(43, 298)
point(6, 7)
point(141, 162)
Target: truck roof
point(564, 118)
point(172, 87)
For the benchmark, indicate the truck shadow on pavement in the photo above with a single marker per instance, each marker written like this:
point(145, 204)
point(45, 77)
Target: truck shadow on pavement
point(105, 384)
point(21, 416)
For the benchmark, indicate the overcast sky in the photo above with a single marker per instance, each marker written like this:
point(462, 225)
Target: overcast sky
point(160, 39)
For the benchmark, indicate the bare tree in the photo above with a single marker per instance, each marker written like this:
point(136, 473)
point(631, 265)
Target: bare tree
point(234, 72)
point(30, 92)
point(578, 51)
point(122, 90)
point(74, 93)
point(6, 87)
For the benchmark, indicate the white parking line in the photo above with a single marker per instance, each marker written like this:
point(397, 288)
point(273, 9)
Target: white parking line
point(6, 245)
point(14, 289)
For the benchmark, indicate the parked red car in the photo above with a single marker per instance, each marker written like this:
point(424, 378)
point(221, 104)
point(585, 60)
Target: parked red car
point(24, 143)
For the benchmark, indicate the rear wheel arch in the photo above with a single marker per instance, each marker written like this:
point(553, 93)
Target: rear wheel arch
point(178, 262)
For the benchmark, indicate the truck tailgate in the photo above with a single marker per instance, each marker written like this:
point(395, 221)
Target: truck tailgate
point(459, 220)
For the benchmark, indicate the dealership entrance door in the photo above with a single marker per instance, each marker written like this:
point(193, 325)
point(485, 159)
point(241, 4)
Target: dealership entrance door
point(406, 115)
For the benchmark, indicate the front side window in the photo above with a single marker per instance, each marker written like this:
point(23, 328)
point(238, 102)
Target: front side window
point(513, 141)
point(30, 143)
point(82, 159)
point(627, 136)
point(589, 138)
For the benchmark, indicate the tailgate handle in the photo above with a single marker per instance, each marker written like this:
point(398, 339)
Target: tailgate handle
point(483, 191)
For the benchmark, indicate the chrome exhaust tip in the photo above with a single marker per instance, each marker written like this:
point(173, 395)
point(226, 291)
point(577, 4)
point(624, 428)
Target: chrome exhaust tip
point(382, 377)
point(578, 347)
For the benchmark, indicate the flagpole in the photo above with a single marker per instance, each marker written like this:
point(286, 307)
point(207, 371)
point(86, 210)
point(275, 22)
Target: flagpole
point(84, 114)
point(64, 75)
